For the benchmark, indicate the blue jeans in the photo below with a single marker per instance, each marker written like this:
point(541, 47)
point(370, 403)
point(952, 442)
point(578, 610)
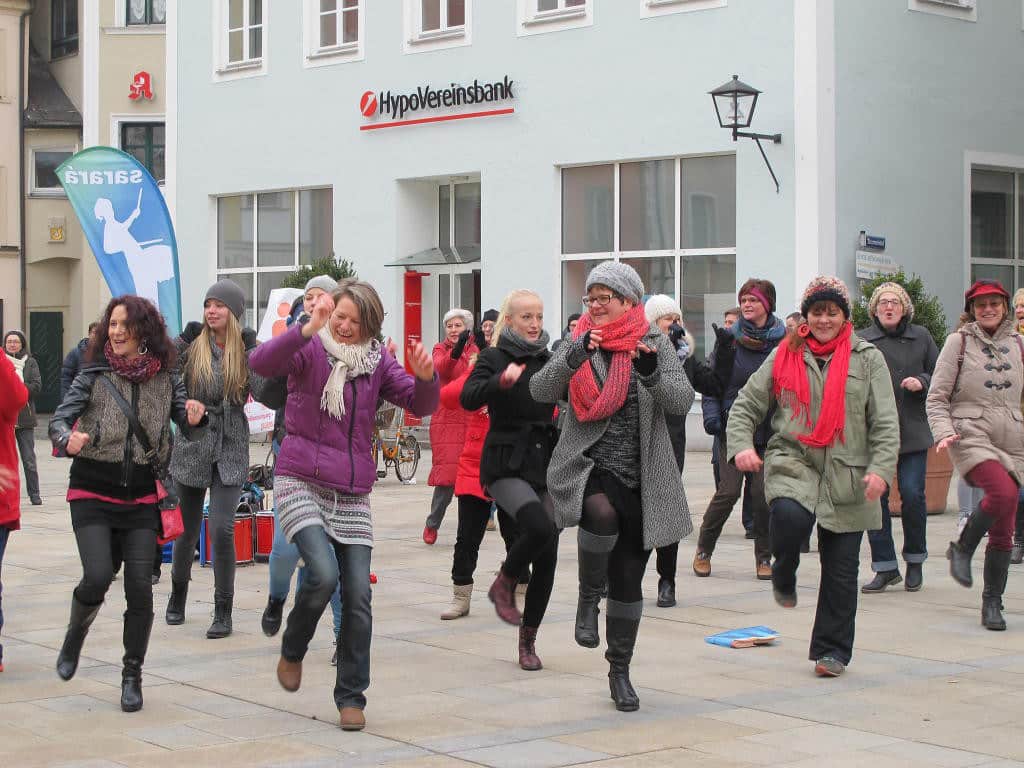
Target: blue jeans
point(284, 556)
point(4, 534)
point(326, 561)
point(910, 472)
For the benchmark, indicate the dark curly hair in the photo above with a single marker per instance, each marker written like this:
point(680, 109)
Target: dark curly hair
point(146, 324)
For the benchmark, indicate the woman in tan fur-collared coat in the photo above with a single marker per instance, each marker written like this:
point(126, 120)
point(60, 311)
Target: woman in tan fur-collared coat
point(974, 410)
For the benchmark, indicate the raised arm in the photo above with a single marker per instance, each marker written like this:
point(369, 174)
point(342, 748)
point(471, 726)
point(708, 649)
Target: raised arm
point(401, 388)
point(482, 381)
point(551, 383)
point(281, 355)
point(667, 384)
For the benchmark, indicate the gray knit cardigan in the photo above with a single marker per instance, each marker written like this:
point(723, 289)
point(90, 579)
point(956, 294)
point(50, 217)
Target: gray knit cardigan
point(225, 444)
point(666, 517)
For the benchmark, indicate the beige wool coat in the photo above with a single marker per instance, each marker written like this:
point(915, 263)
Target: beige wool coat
point(983, 404)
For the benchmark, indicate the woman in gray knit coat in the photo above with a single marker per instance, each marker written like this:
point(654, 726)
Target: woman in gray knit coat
point(213, 359)
point(613, 471)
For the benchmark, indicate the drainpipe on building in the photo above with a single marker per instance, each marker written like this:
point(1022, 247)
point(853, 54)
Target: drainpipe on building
point(23, 225)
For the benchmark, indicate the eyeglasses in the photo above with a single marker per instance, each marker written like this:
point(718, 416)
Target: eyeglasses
point(601, 300)
point(890, 303)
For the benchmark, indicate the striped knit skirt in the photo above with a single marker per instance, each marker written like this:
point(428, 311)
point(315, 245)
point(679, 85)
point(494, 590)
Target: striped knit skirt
point(345, 517)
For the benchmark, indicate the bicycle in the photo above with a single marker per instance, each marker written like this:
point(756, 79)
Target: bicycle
point(399, 450)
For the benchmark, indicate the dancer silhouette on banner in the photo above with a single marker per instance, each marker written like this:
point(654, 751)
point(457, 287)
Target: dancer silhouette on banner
point(148, 264)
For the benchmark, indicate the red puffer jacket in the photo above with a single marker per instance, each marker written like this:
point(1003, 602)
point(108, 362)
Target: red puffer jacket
point(448, 425)
point(13, 397)
point(467, 476)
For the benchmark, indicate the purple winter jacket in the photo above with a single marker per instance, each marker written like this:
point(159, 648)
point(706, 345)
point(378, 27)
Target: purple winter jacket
point(330, 452)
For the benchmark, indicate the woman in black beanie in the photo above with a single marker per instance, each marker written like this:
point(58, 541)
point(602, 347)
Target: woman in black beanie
point(214, 362)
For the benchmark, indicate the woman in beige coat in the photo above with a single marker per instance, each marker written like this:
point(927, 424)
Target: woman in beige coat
point(974, 410)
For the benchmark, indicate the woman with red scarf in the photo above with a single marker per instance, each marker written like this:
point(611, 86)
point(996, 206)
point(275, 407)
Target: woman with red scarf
point(613, 471)
point(834, 448)
point(113, 490)
point(13, 397)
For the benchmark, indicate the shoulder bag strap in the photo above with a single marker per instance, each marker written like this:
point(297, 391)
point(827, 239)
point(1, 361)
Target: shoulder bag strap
point(960, 360)
point(133, 421)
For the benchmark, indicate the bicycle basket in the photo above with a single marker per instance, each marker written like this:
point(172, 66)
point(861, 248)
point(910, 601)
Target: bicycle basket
point(385, 418)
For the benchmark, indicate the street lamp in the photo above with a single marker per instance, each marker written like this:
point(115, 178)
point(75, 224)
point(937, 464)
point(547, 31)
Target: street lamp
point(735, 102)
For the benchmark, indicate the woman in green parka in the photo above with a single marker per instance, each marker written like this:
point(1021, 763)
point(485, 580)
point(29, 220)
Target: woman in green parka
point(833, 451)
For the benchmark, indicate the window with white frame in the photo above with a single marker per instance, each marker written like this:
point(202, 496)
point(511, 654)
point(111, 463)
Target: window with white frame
point(243, 33)
point(264, 237)
point(45, 163)
point(435, 24)
point(334, 31)
point(536, 16)
point(672, 219)
point(965, 10)
point(653, 8)
point(143, 12)
point(997, 226)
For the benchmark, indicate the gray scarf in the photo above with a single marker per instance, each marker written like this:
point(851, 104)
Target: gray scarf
point(517, 346)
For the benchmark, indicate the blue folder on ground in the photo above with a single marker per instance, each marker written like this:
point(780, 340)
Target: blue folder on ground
point(744, 638)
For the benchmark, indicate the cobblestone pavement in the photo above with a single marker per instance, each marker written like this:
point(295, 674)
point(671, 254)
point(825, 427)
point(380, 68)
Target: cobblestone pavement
point(928, 686)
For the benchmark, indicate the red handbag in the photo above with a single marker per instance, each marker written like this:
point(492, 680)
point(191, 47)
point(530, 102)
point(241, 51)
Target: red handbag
point(171, 524)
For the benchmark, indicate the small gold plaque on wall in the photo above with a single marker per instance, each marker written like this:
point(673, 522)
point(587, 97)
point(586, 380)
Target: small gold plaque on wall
point(56, 225)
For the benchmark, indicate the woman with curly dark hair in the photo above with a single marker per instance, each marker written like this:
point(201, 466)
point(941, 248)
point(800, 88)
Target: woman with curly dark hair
point(113, 489)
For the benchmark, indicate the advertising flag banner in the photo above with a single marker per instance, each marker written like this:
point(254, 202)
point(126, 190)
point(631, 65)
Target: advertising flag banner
point(125, 219)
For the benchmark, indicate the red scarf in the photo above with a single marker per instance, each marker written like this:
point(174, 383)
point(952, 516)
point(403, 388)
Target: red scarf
point(792, 389)
point(138, 370)
point(594, 402)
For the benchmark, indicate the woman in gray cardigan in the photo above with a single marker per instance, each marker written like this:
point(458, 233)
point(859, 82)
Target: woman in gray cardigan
point(213, 358)
point(613, 471)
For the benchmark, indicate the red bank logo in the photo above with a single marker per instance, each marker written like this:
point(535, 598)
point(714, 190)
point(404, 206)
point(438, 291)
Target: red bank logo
point(368, 104)
point(398, 106)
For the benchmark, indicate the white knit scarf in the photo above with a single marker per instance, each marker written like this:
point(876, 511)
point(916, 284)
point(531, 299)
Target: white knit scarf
point(348, 361)
point(19, 365)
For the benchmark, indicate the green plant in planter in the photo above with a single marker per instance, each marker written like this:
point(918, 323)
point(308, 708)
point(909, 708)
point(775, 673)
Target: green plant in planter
point(325, 266)
point(928, 311)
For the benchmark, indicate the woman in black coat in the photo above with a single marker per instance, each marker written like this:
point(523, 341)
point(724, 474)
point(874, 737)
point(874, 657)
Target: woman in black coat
point(514, 462)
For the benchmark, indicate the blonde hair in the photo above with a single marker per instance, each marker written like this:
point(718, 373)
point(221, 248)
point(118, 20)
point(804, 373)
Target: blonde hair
point(235, 364)
point(506, 309)
point(1018, 297)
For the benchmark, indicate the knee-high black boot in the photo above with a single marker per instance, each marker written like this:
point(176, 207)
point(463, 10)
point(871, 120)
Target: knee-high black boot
point(82, 617)
point(961, 551)
point(593, 551)
point(997, 565)
point(621, 626)
point(136, 641)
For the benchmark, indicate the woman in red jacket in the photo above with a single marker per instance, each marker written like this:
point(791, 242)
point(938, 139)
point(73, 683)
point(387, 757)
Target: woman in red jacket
point(13, 397)
point(448, 425)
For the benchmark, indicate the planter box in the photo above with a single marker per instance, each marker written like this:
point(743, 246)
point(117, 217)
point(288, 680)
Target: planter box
point(938, 475)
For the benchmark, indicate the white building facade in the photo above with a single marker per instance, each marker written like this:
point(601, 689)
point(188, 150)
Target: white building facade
point(497, 145)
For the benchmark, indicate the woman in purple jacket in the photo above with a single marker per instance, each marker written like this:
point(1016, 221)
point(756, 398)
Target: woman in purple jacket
point(336, 371)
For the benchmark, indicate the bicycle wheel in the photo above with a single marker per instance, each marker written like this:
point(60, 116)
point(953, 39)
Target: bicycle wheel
point(408, 458)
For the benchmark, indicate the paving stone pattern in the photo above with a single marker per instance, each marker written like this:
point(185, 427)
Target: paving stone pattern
point(928, 686)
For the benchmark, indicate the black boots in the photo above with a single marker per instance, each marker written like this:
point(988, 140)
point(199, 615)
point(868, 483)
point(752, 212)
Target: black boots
point(271, 621)
point(882, 580)
point(666, 593)
point(621, 635)
point(961, 551)
point(82, 617)
point(221, 626)
point(176, 603)
point(997, 564)
point(593, 573)
point(136, 640)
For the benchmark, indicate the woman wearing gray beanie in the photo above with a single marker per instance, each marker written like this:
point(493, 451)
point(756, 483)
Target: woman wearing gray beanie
point(613, 471)
point(213, 357)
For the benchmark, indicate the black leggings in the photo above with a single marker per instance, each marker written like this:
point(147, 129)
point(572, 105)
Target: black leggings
point(609, 509)
point(537, 542)
point(474, 513)
point(94, 550)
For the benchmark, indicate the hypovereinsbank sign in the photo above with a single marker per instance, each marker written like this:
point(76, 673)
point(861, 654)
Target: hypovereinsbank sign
point(455, 101)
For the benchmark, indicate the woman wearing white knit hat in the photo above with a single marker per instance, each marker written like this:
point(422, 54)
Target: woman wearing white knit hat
point(663, 311)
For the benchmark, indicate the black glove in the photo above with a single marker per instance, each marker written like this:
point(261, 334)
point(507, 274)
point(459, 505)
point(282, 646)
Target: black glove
point(723, 335)
point(460, 344)
point(645, 363)
point(478, 339)
point(675, 333)
point(579, 351)
point(191, 331)
point(249, 338)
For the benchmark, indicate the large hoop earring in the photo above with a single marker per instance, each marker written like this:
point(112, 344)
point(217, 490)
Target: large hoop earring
point(143, 349)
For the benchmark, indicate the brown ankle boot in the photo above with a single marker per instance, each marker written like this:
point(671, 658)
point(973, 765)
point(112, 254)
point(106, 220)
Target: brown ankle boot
point(502, 593)
point(289, 674)
point(528, 658)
